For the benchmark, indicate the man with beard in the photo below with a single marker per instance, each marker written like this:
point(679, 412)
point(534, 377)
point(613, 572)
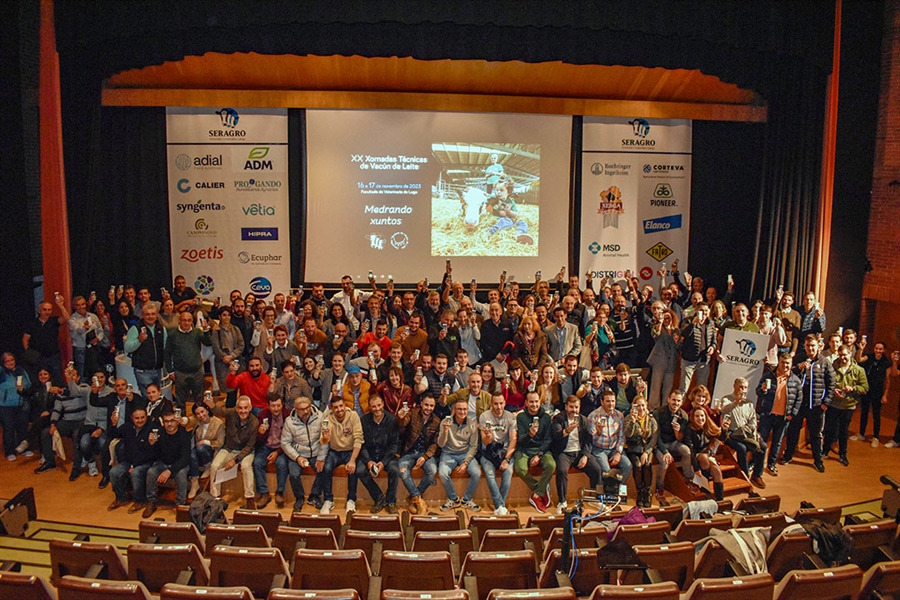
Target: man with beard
point(412, 337)
point(244, 322)
point(876, 366)
point(850, 384)
point(174, 459)
point(252, 383)
point(380, 442)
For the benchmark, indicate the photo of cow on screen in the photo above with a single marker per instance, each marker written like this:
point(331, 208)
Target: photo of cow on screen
point(486, 200)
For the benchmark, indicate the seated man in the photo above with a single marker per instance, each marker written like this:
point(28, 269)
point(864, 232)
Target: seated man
point(419, 431)
point(136, 455)
point(458, 440)
point(671, 419)
point(208, 436)
point(240, 437)
point(739, 414)
point(533, 448)
point(66, 418)
point(118, 413)
point(91, 437)
point(608, 428)
point(300, 443)
point(498, 444)
point(570, 445)
point(173, 461)
point(378, 453)
point(268, 451)
point(342, 439)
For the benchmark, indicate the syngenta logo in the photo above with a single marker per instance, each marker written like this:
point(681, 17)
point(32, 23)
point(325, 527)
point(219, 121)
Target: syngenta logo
point(198, 206)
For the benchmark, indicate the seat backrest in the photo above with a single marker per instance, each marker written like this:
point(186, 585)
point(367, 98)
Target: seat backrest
point(315, 520)
point(692, 530)
point(751, 587)
point(365, 541)
point(255, 568)
point(712, 561)
point(362, 522)
point(285, 594)
point(23, 586)
point(492, 570)
point(326, 569)
point(672, 514)
point(183, 513)
point(431, 541)
point(416, 570)
point(82, 588)
point(826, 515)
point(286, 539)
point(496, 540)
point(584, 538)
point(174, 591)
point(269, 520)
point(167, 532)
point(587, 576)
point(76, 558)
point(786, 552)
point(833, 583)
point(244, 536)
point(546, 523)
point(777, 521)
point(155, 565)
point(451, 594)
point(673, 562)
point(657, 591)
point(433, 523)
point(881, 581)
point(485, 523)
point(566, 593)
point(725, 505)
point(639, 534)
point(867, 537)
point(762, 504)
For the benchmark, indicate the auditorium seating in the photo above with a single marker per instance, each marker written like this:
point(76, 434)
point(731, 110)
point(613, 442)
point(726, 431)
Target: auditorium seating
point(259, 569)
point(591, 537)
point(245, 536)
point(481, 524)
point(713, 561)
point(672, 514)
point(777, 521)
point(826, 515)
point(269, 520)
point(587, 576)
point(484, 571)
point(656, 591)
point(22, 586)
point(643, 533)
point(881, 581)
point(872, 542)
point(505, 540)
point(692, 530)
point(833, 583)
point(155, 565)
point(363, 522)
point(751, 587)
point(373, 543)
point(315, 520)
point(287, 594)
point(786, 552)
point(667, 562)
point(546, 523)
point(167, 532)
point(84, 588)
point(554, 594)
point(323, 569)
point(289, 539)
point(760, 504)
point(173, 591)
point(416, 570)
point(86, 559)
point(455, 594)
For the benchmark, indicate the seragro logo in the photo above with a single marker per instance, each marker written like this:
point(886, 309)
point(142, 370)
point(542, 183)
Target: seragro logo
point(662, 224)
point(229, 129)
point(261, 287)
point(198, 207)
point(641, 128)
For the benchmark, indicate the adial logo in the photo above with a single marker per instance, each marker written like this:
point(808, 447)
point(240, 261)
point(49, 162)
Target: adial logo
point(641, 128)
point(662, 224)
point(258, 210)
point(255, 160)
point(204, 285)
point(261, 287)
point(257, 185)
point(210, 161)
point(199, 206)
point(229, 129)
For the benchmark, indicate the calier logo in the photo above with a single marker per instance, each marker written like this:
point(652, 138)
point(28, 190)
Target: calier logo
point(662, 224)
point(199, 206)
point(255, 162)
point(183, 185)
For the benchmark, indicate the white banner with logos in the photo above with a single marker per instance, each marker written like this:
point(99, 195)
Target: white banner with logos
point(635, 195)
point(228, 199)
point(745, 355)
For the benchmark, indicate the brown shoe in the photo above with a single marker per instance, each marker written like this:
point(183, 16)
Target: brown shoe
point(758, 482)
point(423, 506)
point(279, 500)
point(148, 512)
point(414, 505)
point(136, 506)
point(249, 504)
point(263, 500)
point(117, 504)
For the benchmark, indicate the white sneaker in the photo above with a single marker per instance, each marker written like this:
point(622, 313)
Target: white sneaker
point(858, 438)
point(501, 511)
point(92, 469)
point(11, 457)
point(874, 443)
point(28, 454)
point(327, 507)
point(195, 487)
point(891, 444)
point(21, 447)
point(561, 508)
point(351, 506)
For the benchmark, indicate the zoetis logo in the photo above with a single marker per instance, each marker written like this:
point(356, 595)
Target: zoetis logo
point(256, 162)
point(193, 255)
point(198, 207)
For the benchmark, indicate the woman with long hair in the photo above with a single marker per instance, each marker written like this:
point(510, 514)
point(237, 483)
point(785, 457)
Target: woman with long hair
point(490, 384)
point(641, 432)
point(122, 318)
point(395, 392)
point(516, 386)
point(663, 358)
point(167, 316)
point(548, 388)
point(704, 437)
point(530, 343)
point(599, 337)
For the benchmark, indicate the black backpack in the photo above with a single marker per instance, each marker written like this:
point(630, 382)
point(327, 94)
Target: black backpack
point(206, 509)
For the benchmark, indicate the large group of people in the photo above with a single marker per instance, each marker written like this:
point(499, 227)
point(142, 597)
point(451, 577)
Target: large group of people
point(433, 381)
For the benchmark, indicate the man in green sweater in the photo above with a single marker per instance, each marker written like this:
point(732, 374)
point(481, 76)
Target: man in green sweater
point(183, 346)
point(533, 448)
point(850, 384)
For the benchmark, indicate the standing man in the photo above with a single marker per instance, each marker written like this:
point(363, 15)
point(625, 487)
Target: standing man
point(777, 391)
point(146, 343)
point(570, 445)
point(477, 400)
point(562, 337)
point(498, 445)
point(183, 296)
point(533, 449)
point(173, 462)
point(378, 454)
point(812, 321)
point(876, 366)
point(458, 440)
point(412, 337)
point(85, 331)
point(183, 359)
point(253, 384)
point(698, 344)
point(268, 451)
point(342, 440)
point(850, 384)
point(283, 316)
point(240, 436)
point(419, 431)
point(495, 333)
point(41, 340)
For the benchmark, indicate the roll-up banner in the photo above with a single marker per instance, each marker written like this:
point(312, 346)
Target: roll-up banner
point(228, 199)
point(636, 194)
point(744, 355)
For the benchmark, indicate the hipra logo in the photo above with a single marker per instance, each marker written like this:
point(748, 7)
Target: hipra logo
point(255, 160)
point(183, 186)
point(257, 185)
point(260, 286)
point(198, 207)
point(209, 161)
point(258, 210)
point(193, 255)
point(253, 234)
point(662, 224)
point(204, 285)
point(230, 120)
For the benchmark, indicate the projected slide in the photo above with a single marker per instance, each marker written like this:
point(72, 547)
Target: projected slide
point(398, 192)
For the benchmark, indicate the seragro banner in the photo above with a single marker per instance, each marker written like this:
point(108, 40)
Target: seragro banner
point(228, 199)
point(636, 190)
point(744, 355)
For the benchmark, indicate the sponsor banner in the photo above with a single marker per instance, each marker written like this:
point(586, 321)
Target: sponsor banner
point(636, 189)
point(744, 355)
point(228, 199)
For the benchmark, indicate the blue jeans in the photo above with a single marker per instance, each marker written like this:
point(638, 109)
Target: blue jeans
point(119, 476)
point(88, 447)
point(145, 378)
point(451, 460)
point(406, 464)
point(78, 355)
point(180, 478)
point(776, 426)
point(498, 493)
point(14, 420)
point(200, 457)
point(334, 459)
point(260, 462)
point(603, 457)
point(296, 478)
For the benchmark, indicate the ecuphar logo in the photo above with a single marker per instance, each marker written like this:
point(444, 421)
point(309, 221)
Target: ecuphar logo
point(260, 286)
point(253, 234)
point(662, 224)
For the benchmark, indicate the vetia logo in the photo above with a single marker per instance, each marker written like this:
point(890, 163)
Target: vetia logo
point(193, 255)
point(255, 162)
point(199, 206)
point(258, 210)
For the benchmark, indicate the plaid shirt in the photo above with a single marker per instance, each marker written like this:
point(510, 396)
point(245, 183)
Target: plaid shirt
point(608, 429)
point(411, 428)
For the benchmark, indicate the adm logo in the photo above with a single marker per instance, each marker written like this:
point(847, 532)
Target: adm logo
point(641, 128)
point(229, 129)
point(255, 160)
point(261, 287)
point(193, 255)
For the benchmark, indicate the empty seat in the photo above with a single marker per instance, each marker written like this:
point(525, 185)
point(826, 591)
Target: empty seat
point(786, 553)
point(86, 559)
point(245, 536)
point(583, 538)
point(724, 505)
point(483, 523)
point(416, 571)
point(325, 569)
point(452, 594)
point(269, 520)
point(871, 542)
point(552, 594)
point(657, 591)
point(833, 583)
point(83, 588)
point(670, 562)
point(881, 581)
point(288, 539)
point(762, 504)
point(826, 515)
point(22, 586)
point(433, 523)
point(587, 576)
point(155, 565)
point(643, 533)
point(166, 532)
point(751, 587)
point(777, 521)
point(315, 520)
point(499, 540)
point(173, 591)
point(692, 530)
point(713, 561)
point(285, 594)
point(671, 514)
point(485, 571)
point(259, 569)
point(546, 523)
point(361, 522)
point(431, 541)
point(367, 541)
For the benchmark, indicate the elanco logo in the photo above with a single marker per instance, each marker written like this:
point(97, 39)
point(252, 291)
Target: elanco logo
point(193, 255)
point(255, 160)
point(230, 120)
point(199, 206)
point(662, 224)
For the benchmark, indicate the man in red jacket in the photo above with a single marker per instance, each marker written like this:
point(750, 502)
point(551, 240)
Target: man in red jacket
point(252, 382)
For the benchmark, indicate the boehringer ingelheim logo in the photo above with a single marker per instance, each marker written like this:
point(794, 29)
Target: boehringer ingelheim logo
point(229, 117)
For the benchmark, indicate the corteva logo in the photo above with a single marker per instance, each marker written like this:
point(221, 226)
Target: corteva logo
point(198, 207)
point(255, 160)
